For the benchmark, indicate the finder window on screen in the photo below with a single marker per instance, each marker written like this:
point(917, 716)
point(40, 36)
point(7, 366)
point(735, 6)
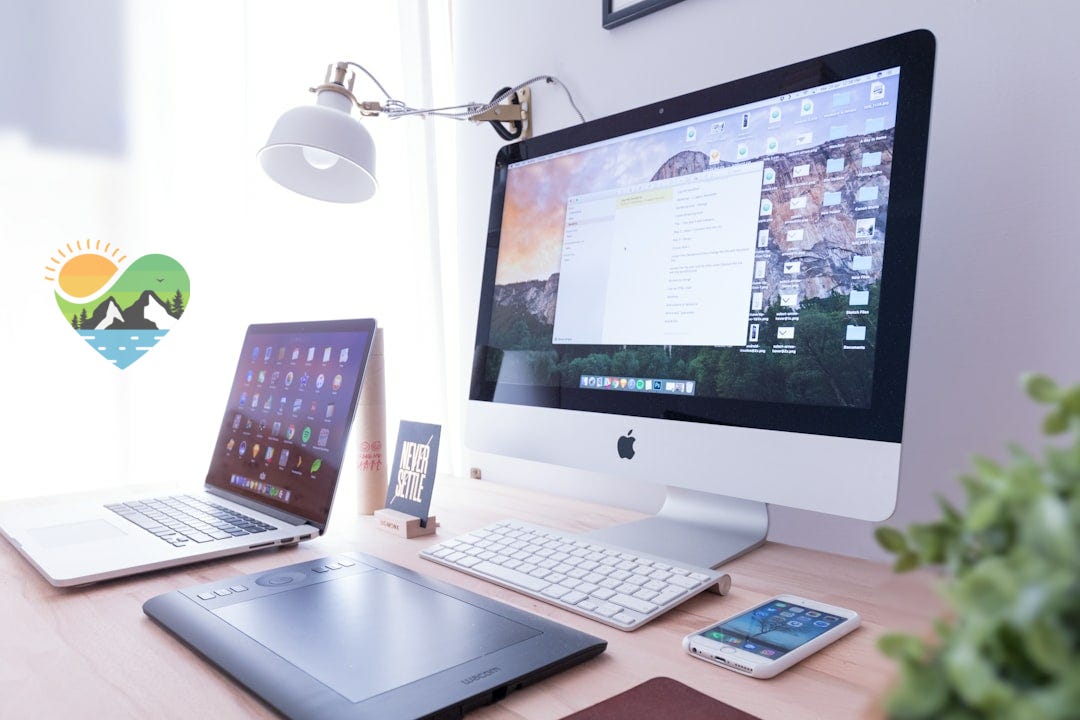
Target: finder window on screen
point(732, 255)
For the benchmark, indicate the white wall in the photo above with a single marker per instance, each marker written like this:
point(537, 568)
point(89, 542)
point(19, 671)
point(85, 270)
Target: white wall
point(998, 256)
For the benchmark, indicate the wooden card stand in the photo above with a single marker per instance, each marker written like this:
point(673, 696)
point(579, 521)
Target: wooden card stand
point(402, 524)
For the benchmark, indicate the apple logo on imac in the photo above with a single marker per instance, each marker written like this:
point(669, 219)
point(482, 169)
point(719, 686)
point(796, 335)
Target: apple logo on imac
point(625, 445)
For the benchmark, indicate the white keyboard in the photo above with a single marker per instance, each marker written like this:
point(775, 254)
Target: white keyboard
point(618, 587)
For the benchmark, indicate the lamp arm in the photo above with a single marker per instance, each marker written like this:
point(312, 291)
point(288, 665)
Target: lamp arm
point(337, 80)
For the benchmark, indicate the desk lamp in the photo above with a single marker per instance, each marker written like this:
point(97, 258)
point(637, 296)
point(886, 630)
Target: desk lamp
point(323, 152)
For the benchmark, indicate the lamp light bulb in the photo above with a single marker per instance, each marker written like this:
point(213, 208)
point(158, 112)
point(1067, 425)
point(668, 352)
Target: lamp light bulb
point(319, 159)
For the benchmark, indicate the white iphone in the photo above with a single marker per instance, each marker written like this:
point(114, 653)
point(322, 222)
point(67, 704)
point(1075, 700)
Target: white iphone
point(771, 637)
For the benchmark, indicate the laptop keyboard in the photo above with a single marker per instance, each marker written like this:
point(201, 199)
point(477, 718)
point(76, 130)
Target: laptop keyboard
point(182, 520)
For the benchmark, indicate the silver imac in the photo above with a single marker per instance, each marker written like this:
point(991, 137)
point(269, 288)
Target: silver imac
point(714, 293)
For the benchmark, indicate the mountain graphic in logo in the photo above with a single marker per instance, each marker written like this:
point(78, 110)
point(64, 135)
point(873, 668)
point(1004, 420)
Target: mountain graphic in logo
point(121, 312)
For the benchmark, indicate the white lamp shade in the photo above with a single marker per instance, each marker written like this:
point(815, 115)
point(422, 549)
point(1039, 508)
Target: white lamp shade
point(302, 148)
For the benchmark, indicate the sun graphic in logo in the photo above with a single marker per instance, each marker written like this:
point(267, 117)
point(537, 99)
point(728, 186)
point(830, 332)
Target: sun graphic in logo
point(82, 272)
point(120, 313)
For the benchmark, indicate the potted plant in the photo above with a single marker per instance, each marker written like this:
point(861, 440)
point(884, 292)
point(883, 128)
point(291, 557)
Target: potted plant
point(1010, 645)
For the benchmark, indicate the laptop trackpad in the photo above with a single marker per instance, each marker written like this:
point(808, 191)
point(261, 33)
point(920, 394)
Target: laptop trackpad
point(53, 536)
point(365, 634)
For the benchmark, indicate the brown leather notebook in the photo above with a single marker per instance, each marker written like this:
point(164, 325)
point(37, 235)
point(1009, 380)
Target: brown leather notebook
point(661, 698)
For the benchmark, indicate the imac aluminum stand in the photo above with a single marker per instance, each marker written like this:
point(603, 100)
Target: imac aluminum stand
point(700, 528)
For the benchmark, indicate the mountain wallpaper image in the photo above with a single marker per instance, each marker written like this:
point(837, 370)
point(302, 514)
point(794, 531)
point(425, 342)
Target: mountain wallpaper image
point(121, 312)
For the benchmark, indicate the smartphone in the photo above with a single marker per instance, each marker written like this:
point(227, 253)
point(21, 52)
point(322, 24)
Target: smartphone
point(770, 638)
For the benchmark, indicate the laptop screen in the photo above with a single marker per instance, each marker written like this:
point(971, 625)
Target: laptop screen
point(290, 408)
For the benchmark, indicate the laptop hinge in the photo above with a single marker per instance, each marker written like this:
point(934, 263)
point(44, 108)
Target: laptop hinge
point(276, 513)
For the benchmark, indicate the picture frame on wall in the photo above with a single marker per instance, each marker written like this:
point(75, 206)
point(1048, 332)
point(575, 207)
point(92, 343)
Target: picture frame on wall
point(617, 12)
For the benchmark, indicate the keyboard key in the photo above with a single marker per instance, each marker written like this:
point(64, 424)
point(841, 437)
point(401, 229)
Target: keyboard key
point(684, 582)
point(555, 591)
point(669, 595)
point(573, 597)
point(607, 610)
point(633, 603)
point(502, 573)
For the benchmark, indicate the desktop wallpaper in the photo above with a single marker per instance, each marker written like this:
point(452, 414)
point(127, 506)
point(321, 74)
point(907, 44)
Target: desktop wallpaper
point(813, 310)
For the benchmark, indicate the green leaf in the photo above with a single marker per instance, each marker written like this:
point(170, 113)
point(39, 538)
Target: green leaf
point(1056, 422)
point(984, 513)
point(902, 647)
point(929, 541)
point(922, 692)
point(986, 592)
point(952, 515)
point(1041, 388)
point(1071, 401)
point(974, 678)
point(1049, 530)
point(908, 560)
point(1047, 645)
point(891, 539)
point(986, 467)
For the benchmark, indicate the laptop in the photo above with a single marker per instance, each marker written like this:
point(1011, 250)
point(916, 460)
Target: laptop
point(272, 476)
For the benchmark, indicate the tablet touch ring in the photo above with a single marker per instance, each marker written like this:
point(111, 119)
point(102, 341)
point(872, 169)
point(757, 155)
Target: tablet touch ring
point(278, 579)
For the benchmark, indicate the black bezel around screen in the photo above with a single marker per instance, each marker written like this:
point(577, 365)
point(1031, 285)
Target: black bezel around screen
point(913, 52)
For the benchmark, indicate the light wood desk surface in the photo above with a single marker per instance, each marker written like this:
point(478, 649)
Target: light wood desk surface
point(91, 652)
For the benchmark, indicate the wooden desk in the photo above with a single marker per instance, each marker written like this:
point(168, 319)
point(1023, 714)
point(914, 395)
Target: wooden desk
point(91, 652)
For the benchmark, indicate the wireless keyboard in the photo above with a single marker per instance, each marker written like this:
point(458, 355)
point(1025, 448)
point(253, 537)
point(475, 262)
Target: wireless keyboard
point(616, 586)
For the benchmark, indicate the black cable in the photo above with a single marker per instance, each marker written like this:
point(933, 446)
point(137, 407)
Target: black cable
point(500, 128)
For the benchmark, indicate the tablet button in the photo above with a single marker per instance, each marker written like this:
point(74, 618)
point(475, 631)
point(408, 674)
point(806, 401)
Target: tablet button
point(727, 650)
point(279, 579)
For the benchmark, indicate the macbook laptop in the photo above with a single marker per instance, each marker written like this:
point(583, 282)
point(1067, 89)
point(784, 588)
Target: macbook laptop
point(272, 476)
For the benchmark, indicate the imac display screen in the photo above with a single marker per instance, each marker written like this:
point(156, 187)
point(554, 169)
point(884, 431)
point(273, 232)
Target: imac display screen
point(720, 255)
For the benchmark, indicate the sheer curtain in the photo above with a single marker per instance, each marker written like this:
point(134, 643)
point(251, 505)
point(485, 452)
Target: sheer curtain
point(201, 85)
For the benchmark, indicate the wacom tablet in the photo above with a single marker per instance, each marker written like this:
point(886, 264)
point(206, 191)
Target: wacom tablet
point(352, 636)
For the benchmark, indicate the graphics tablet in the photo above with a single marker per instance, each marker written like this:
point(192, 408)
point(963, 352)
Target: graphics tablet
point(354, 636)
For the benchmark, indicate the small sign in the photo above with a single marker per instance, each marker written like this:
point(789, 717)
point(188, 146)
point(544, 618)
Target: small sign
point(412, 475)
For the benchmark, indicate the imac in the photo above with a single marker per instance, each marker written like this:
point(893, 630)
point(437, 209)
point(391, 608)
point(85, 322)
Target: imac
point(714, 293)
